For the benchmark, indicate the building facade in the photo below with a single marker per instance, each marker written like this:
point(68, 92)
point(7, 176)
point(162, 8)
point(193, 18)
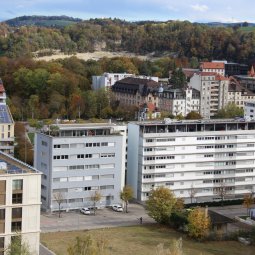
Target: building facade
point(6, 124)
point(136, 91)
point(78, 160)
point(213, 67)
point(179, 101)
point(201, 157)
point(20, 186)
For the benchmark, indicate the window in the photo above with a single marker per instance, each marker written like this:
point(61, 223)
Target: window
point(2, 220)
point(103, 166)
point(16, 226)
point(17, 185)
point(106, 187)
point(17, 213)
point(60, 157)
point(2, 192)
point(17, 198)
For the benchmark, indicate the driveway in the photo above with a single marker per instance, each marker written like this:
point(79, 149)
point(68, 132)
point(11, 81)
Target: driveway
point(104, 218)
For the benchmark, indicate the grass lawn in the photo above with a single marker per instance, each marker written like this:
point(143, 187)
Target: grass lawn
point(142, 240)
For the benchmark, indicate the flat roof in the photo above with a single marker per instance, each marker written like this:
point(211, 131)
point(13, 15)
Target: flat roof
point(15, 166)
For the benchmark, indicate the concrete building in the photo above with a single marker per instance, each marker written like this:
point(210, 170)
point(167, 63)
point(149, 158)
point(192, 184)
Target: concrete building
point(179, 101)
point(6, 124)
point(249, 110)
point(199, 156)
point(213, 90)
point(20, 193)
point(79, 159)
point(106, 80)
point(235, 69)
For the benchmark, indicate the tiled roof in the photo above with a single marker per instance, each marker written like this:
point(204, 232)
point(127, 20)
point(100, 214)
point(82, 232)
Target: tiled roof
point(221, 78)
point(138, 81)
point(235, 86)
point(207, 73)
point(212, 65)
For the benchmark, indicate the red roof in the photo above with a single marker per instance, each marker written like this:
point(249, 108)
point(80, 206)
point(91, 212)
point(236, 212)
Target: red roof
point(2, 90)
point(221, 78)
point(212, 65)
point(208, 74)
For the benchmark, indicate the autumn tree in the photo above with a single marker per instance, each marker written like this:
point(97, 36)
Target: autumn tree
point(248, 202)
point(198, 223)
point(95, 198)
point(193, 116)
point(126, 194)
point(160, 204)
point(59, 198)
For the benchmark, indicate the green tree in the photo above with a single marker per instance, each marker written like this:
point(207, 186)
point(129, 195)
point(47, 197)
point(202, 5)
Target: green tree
point(95, 198)
point(178, 78)
point(231, 110)
point(198, 223)
point(17, 247)
point(193, 116)
point(125, 195)
point(160, 204)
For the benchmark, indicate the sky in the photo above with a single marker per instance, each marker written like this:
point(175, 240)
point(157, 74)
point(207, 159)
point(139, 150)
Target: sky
point(135, 10)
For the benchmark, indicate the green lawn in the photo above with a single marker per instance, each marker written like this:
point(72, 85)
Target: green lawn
point(142, 240)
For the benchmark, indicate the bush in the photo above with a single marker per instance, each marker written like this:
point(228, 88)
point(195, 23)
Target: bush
point(216, 203)
point(178, 220)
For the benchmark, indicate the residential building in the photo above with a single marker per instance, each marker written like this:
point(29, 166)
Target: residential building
point(213, 67)
point(201, 157)
point(136, 91)
point(20, 193)
point(79, 159)
point(179, 101)
point(249, 110)
point(6, 124)
point(238, 94)
point(213, 90)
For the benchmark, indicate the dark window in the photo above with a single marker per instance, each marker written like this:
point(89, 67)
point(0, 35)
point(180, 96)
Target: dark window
point(17, 198)
point(17, 213)
point(16, 226)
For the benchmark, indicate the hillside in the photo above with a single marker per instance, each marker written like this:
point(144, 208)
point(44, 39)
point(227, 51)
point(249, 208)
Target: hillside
point(42, 21)
point(179, 39)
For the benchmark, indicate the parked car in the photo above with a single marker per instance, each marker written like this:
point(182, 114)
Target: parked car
point(117, 208)
point(85, 211)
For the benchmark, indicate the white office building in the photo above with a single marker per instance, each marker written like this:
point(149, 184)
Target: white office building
point(202, 157)
point(20, 193)
point(77, 160)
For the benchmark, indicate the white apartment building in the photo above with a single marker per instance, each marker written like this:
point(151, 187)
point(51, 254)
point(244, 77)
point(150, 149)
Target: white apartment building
point(179, 102)
point(106, 80)
point(20, 193)
point(79, 159)
point(249, 110)
point(213, 92)
point(203, 156)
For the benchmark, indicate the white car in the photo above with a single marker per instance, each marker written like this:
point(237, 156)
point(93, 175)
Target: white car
point(117, 208)
point(85, 211)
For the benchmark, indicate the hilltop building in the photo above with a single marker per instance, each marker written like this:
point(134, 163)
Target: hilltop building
point(20, 191)
point(77, 160)
point(202, 157)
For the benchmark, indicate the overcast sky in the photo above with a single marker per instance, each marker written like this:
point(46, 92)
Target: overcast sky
point(133, 10)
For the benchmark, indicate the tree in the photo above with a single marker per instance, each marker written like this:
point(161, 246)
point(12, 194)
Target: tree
point(94, 198)
point(248, 201)
point(193, 116)
point(160, 204)
point(221, 191)
point(17, 247)
point(192, 193)
point(125, 195)
point(231, 110)
point(59, 197)
point(178, 78)
point(198, 223)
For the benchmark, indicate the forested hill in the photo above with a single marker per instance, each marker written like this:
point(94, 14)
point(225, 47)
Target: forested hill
point(178, 39)
point(42, 21)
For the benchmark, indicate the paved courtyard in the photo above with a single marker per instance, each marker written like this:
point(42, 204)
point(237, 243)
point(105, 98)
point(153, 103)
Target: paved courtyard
point(104, 218)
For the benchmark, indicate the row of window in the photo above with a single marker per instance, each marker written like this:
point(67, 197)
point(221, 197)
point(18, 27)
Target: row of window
point(85, 178)
point(160, 140)
point(82, 156)
point(158, 158)
point(87, 188)
point(81, 145)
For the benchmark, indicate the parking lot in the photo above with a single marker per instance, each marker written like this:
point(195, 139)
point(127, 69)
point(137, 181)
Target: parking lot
point(104, 218)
